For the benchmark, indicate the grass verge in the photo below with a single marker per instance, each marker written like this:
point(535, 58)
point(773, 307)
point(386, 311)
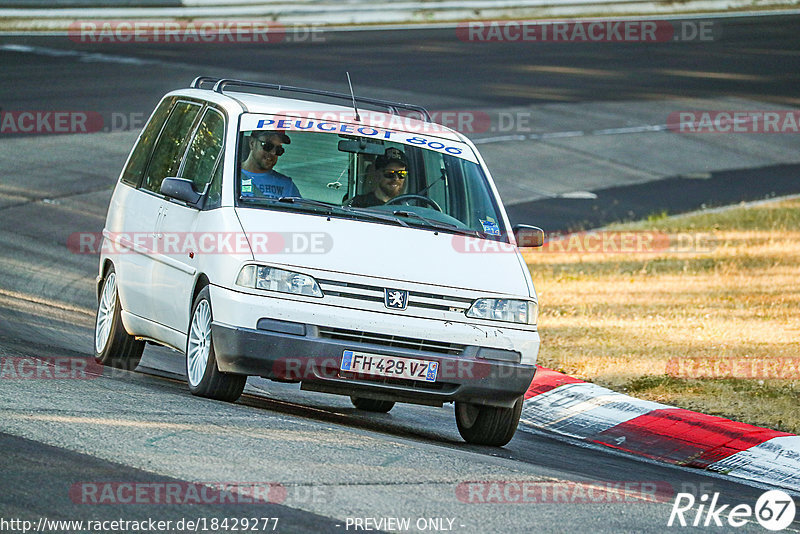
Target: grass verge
point(700, 311)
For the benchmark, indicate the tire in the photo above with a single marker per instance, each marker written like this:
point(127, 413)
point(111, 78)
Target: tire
point(113, 345)
point(202, 374)
point(372, 405)
point(487, 425)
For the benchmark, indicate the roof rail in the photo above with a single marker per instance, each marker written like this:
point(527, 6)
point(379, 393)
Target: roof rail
point(393, 107)
point(200, 80)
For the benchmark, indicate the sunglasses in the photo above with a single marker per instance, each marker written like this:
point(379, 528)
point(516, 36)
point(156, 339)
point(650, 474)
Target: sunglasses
point(400, 175)
point(268, 147)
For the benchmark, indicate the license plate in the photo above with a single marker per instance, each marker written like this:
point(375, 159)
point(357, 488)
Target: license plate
point(392, 366)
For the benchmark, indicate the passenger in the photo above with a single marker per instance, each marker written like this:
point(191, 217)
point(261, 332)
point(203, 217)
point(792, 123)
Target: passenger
point(259, 178)
point(389, 175)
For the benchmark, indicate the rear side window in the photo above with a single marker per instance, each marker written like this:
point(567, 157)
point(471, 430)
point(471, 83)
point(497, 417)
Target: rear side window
point(203, 157)
point(144, 147)
point(167, 154)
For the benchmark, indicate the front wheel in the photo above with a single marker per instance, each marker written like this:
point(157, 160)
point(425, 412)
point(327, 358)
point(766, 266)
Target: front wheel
point(205, 379)
point(487, 425)
point(372, 405)
point(113, 345)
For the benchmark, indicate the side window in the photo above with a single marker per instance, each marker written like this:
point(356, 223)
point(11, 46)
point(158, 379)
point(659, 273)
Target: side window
point(478, 202)
point(132, 174)
point(204, 152)
point(167, 154)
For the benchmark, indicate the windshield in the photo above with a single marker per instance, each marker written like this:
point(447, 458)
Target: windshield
point(382, 176)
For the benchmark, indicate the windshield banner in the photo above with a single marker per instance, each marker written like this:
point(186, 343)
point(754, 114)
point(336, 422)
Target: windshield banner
point(324, 124)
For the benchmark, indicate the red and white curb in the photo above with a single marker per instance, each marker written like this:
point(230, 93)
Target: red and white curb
point(571, 407)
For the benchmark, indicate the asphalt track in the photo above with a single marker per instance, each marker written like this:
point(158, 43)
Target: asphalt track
point(334, 461)
point(671, 195)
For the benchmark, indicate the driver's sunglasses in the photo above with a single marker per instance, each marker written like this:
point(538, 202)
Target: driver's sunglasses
point(400, 175)
point(268, 147)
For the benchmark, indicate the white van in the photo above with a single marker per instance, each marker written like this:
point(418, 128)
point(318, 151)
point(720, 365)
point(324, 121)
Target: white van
point(357, 252)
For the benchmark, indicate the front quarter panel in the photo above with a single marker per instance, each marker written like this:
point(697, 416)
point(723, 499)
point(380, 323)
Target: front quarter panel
point(222, 246)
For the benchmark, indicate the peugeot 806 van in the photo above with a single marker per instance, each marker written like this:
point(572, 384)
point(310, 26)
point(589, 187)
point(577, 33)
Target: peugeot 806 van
point(344, 243)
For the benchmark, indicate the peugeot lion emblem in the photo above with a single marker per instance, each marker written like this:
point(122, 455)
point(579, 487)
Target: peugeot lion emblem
point(395, 299)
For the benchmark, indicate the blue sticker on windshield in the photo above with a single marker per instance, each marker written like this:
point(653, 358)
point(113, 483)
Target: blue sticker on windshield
point(490, 227)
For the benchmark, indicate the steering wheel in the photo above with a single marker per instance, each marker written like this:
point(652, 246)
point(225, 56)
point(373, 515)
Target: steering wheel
point(401, 198)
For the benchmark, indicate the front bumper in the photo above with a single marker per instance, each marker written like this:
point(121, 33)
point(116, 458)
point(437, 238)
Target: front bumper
point(298, 352)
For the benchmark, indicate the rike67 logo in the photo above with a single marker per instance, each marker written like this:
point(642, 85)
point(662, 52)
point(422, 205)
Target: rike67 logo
point(774, 510)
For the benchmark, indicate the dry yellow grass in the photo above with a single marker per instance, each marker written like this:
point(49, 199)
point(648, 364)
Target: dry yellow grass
point(618, 319)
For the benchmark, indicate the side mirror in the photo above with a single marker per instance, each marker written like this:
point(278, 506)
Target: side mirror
point(528, 236)
point(181, 189)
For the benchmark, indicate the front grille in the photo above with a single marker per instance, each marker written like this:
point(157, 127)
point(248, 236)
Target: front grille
point(373, 298)
point(357, 336)
point(416, 299)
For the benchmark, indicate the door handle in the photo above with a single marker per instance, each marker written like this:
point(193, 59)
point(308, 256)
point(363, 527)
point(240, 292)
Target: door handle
point(162, 213)
point(160, 234)
point(155, 225)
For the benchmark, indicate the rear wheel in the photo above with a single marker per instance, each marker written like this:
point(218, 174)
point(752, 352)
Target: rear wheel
point(205, 379)
point(372, 405)
point(487, 425)
point(113, 345)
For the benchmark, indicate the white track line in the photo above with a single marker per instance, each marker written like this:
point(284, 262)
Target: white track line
point(88, 57)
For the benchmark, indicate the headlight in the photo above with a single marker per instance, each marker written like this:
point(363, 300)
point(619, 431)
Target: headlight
point(508, 310)
point(272, 279)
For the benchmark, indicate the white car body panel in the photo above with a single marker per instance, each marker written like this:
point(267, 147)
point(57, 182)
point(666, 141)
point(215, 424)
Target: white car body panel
point(390, 252)
point(157, 283)
point(234, 307)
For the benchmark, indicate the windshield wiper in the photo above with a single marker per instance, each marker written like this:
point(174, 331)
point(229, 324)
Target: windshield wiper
point(308, 202)
point(375, 215)
point(346, 209)
point(290, 200)
point(330, 208)
point(440, 225)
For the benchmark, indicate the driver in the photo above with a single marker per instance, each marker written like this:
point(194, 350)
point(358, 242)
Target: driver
point(389, 175)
